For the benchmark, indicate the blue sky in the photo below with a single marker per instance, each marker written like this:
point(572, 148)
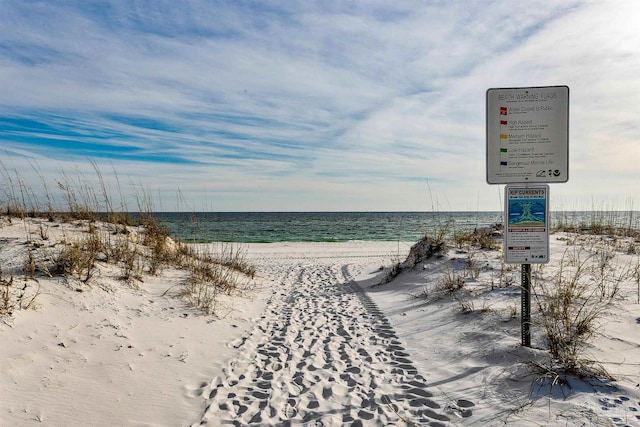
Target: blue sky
point(296, 106)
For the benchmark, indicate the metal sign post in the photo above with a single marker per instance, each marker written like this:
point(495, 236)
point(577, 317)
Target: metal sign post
point(525, 312)
point(526, 240)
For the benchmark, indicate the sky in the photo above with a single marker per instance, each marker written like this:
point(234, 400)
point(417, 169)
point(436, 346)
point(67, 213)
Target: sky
point(311, 105)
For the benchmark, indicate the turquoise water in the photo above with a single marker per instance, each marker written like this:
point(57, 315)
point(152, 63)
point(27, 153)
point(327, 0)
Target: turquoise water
point(267, 227)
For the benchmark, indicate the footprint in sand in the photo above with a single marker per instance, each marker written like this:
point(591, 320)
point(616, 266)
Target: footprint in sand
point(323, 354)
point(620, 405)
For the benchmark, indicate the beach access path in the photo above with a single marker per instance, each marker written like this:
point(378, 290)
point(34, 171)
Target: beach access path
point(322, 353)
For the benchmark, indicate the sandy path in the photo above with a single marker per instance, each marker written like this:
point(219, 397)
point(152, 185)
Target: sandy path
point(323, 354)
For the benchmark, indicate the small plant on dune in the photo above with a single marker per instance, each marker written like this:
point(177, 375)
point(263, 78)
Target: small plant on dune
point(14, 202)
point(156, 238)
point(437, 235)
point(72, 261)
point(466, 305)
point(485, 239)
point(480, 238)
point(635, 273)
point(505, 277)
point(392, 272)
point(44, 232)
point(201, 295)
point(461, 239)
point(512, 311)
point(79, 258)
point(14, 297)
point(131, 265)
point(6, 303)
point(423, 294)
point(472, 269)
point(451, 282)
point(30, 265)
point(206, 266)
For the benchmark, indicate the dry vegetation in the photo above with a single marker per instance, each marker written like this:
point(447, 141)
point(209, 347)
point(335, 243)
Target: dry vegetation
point(91, 236)
point(573, 302)
point(570, 299)
point(14, 296)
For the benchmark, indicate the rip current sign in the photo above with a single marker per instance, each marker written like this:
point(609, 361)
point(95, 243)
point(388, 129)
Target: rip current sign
point(526, 237)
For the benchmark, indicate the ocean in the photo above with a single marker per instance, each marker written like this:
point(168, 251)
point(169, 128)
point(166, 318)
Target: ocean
point(268, 227)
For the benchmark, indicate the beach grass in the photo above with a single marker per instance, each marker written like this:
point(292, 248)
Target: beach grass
point(99, 233)
point(572, 304)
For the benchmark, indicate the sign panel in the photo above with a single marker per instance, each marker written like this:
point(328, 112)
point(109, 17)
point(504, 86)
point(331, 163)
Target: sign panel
point(526, 237)
point(528, 135)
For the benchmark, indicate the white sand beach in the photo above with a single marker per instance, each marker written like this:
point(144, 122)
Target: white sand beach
point(317, 341)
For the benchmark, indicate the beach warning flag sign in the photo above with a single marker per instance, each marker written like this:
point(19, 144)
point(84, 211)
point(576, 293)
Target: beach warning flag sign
point(503, 111)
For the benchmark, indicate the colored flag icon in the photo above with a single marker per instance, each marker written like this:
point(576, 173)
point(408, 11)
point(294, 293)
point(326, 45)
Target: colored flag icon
point(503, 163)
point(503, 150)
point(504, 136)
point(503, 122)
point(503, 111)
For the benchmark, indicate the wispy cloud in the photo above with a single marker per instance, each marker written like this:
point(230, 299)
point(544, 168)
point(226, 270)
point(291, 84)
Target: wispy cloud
point(314, 105)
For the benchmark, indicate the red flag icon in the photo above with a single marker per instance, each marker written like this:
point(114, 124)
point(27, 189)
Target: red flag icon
point(503, 122)
point(503, 111)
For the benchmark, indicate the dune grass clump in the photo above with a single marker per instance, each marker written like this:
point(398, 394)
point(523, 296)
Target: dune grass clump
point(451, 282)
point(78, 259)
point(600, 221)
point(433, 243)
point(573, 303)
point(14, 297)
point(206, 281)
point(212, 273)
point(390, 273)
point(110, 237)
point(481, 238)
point(437, 235)
point(162, 252)
point(234, 257)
